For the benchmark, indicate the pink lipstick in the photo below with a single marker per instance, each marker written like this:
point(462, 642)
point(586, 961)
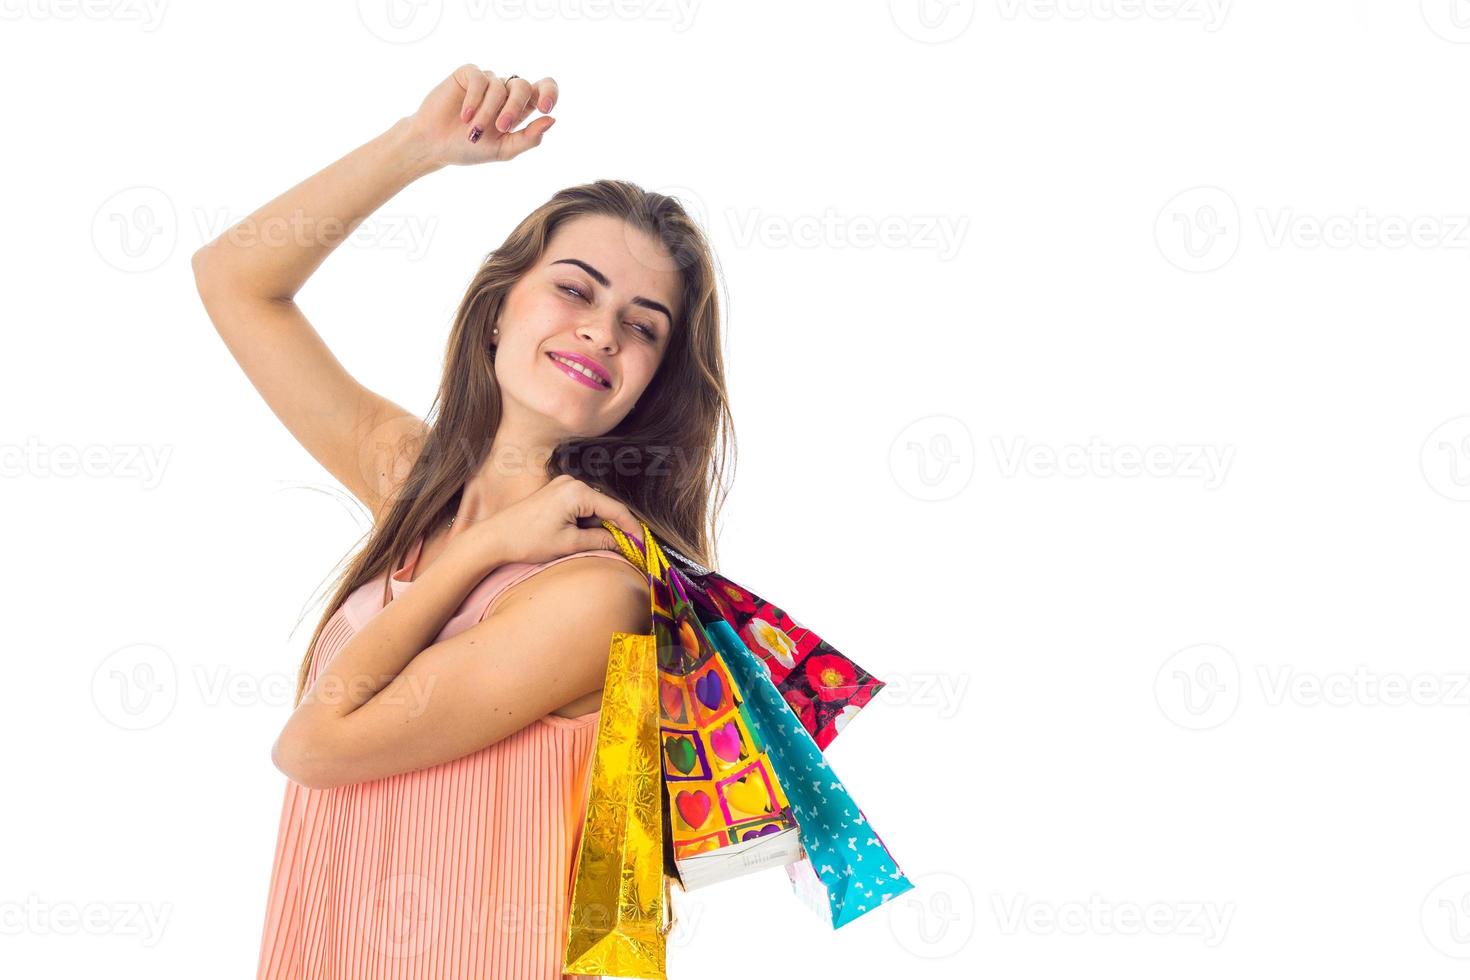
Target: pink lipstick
point(575, 369)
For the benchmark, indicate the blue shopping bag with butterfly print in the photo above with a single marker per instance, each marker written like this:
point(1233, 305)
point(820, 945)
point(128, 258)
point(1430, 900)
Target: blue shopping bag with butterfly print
point(845, 853)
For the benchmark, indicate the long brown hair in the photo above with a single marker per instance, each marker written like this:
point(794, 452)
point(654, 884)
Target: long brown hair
point(662, 459)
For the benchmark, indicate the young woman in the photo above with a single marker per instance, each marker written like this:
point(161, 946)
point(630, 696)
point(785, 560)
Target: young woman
point(448, 703)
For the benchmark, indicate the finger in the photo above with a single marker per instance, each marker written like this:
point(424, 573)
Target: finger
point(489, 107)
point(598, 539)
point(475, 83)
point(617, 512)
point(594, 503)
point(514, 144)
point(546, 94)
point(518, 105)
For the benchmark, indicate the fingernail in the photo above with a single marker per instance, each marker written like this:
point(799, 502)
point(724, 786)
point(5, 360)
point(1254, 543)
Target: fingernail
point(475, 134)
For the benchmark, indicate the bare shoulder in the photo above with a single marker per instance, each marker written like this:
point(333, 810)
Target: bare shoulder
point(594, 584)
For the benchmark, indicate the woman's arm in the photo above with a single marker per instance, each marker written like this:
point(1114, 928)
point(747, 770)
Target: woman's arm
point(542, 648)
point(248, 278)
point(390, 702)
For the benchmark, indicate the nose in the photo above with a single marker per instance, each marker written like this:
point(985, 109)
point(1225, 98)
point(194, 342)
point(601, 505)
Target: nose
point(599, 333)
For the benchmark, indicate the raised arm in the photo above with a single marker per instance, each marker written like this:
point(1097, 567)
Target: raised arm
point(249, 276)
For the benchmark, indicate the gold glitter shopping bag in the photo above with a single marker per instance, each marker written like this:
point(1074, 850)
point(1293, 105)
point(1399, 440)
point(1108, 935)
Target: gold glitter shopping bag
point(620, 912)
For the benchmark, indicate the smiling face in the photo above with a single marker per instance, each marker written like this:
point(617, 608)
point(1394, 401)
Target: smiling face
point(598, 302)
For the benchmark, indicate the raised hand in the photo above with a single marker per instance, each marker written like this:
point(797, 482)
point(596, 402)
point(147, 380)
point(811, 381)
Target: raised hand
point(471, 117)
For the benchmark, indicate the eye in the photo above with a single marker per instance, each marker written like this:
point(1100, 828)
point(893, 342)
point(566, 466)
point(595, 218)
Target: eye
point(648, 331)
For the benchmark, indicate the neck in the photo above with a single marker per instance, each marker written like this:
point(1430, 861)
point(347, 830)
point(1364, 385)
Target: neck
point(511, 471)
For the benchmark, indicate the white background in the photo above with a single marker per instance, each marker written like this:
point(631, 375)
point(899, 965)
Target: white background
point(1206, 718)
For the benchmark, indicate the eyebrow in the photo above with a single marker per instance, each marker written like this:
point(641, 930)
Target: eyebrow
point(602, 280)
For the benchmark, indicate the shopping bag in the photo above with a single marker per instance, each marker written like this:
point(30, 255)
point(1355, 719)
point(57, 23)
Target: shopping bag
point(824, 688)
point(845, 857)
point(729, 811)
point(620, 912)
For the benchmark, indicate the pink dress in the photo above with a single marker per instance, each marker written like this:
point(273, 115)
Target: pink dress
point(459, 871)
